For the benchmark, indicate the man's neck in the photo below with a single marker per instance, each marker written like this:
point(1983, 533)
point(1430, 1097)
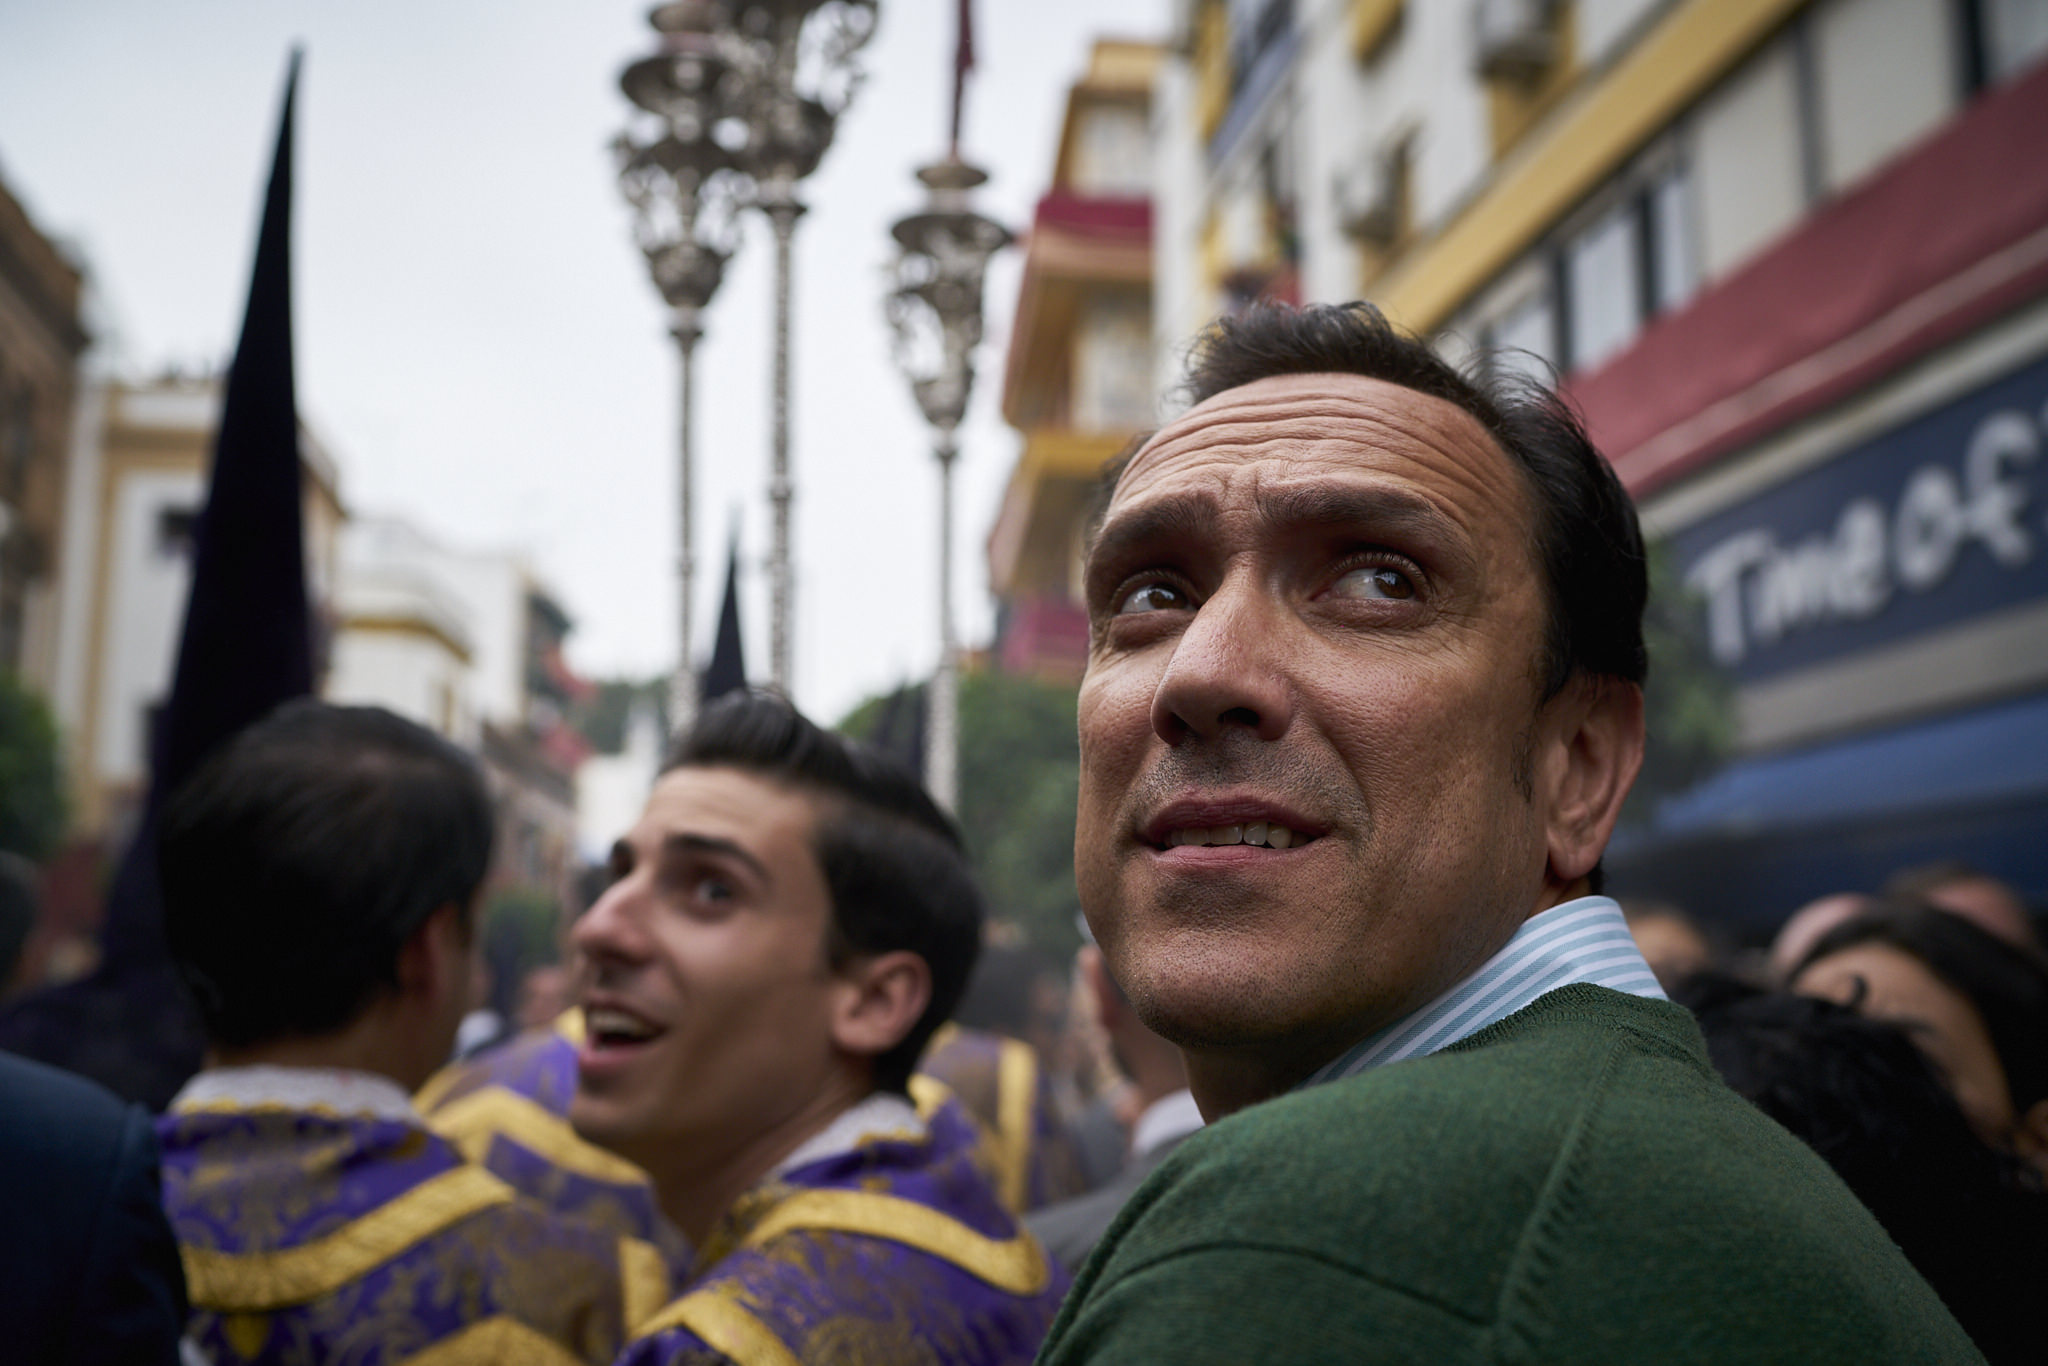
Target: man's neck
point(700, 1185)
point(350, 1050)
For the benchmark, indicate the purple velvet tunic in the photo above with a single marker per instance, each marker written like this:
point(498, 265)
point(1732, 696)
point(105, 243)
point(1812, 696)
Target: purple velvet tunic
point(311, 1238)
point(894, 1252)
point(508, 1109)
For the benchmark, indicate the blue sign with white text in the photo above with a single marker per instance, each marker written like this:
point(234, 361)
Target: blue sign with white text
point(1934, 522)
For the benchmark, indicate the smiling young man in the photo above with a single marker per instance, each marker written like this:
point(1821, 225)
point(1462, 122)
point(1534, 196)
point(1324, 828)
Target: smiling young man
point(1362, 703)
point(789, 922)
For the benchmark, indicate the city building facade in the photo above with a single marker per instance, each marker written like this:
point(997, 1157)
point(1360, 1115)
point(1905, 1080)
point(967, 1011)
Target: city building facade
point(1790, 258)
point(1077, 381)
point(42, 338)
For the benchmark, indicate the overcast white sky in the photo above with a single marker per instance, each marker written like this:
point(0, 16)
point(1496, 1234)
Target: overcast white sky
point(478, 341)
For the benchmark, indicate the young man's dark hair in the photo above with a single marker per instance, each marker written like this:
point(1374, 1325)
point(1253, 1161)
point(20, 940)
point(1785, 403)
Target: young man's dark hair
point(301, 856)
point(1587, 537)
point(2007, 985)
point(1863, 1096)
point(892, 861)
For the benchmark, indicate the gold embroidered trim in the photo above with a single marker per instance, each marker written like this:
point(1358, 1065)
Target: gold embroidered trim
point(569, 1024)
point(720, 1320)
point(428, 1096)
point(472, 1122)
point(249, 1282)
point(928, 1094)
point(1014, 1264)
point(643, 1281)
point(492, 1342)
point(1016, 1089)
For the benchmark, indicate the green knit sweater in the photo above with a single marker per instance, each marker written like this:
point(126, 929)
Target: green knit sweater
point(1571, 1184)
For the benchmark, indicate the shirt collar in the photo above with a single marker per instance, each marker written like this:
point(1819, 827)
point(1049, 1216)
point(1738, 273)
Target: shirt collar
point(880, 1116)
point(1164, 1120)
point(1585, 940)
point(334, 1091)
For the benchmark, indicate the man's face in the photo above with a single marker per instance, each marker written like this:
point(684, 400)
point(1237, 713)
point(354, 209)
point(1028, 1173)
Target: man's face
point(1315, 608)
point(705, 985)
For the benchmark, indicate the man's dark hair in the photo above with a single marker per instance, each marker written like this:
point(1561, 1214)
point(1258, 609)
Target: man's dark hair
point(892, 860)
point(302, 855)
point(2007, 985)
point(1586, 537)
point(1862, 1095)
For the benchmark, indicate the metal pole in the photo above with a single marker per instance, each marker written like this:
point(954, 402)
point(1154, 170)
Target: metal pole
point(682, 692)
point(783, 211)
point(942, 738)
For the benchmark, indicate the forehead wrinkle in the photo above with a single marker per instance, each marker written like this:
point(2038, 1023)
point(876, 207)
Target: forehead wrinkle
point(1264, 426)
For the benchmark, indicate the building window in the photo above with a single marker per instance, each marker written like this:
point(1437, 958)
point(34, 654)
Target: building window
point(1674, 250)
point(2001, 38)
point(175, 528)
point(1632, 263)
point(1523, 340)
point(1604, 287)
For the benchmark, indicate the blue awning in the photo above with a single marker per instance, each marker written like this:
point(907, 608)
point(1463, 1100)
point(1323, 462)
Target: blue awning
point(1992, 755)
point(1767, 834)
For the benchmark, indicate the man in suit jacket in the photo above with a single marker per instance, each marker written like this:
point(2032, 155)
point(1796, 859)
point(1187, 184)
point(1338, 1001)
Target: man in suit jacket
point(1167, 1115)
point(88, 1267)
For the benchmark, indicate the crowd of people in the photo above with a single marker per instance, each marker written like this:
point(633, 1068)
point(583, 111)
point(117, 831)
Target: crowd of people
point(1357, 1063)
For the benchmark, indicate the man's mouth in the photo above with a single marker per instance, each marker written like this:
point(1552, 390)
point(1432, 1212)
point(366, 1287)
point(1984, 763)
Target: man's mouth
point(1266, 834)
point(610, 1027)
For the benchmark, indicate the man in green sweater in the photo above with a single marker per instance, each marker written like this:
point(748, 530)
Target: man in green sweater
point(1363, 701)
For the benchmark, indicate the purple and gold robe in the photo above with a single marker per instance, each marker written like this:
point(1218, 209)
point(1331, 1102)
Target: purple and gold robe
point(1026, 1150)
point(315, 1229)
point(508, 1109)
point(893, 1249)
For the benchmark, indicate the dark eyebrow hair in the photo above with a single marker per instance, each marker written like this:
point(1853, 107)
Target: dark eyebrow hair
point(1348, 504)
point(1186, 515)
point(711, 844)
point(1329, 505)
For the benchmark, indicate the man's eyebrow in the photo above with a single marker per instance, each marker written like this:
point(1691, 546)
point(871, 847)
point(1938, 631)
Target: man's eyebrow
point(684, 843)
point(1168, 519)
point(1337, 505)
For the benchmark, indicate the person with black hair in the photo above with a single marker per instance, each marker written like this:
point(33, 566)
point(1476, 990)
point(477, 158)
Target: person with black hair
point(1863, 1096)
point(1362, 703)
point(1976, 1004)
point(789, 922)
point(320, 874)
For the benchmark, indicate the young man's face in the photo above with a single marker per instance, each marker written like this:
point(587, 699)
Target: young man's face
point(1316, 609)
point(706, 989)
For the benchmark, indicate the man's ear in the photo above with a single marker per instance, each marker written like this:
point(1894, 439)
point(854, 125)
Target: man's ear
point(1595, 751)
point(880, 1003)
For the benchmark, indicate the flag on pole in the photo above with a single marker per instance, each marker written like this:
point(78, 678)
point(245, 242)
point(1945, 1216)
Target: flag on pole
point(246, 646)
point(727, 671)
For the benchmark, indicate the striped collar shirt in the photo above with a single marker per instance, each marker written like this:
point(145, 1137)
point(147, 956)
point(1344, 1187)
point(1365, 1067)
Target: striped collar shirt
point(1581, 941)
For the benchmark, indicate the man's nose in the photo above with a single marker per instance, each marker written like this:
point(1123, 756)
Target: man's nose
point(611, 931)
point(1226, 670)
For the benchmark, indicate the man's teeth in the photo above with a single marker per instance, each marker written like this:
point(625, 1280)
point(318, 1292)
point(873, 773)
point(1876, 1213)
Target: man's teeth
point(1255, 832)
point(617, 1024)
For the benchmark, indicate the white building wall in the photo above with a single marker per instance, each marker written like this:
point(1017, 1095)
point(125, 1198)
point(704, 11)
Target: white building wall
point(412, 674)
point(1746, 157)
point(1178, 180)
point(1885, 72)
point(1448, 107)
point(611, 789)
point(145, 610)
point(1338, 125)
